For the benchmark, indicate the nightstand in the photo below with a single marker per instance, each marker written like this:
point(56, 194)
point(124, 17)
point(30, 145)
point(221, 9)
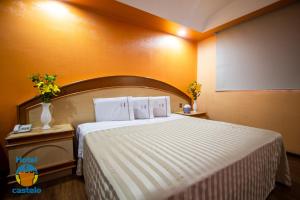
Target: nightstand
point(52, 148)
point(194, 114)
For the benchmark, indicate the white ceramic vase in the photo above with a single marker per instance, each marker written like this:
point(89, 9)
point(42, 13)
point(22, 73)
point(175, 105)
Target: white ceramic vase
point(46, 115)
point(195, 106)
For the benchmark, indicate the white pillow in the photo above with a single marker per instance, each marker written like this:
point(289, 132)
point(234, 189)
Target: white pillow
point(161, 106)
point(142, 108)
point(113, 109)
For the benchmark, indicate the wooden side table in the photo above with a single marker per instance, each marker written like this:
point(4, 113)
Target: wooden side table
point(53, 149)
point(194, 114)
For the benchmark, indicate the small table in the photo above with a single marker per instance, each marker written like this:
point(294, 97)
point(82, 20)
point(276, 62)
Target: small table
point(53, 149)
point(194, 114)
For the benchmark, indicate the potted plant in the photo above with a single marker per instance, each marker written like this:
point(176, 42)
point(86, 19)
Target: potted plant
point(194, 89)
point(47, 89)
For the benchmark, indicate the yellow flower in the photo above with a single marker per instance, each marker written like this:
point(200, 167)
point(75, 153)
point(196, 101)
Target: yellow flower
point(56, 89)
point(46, 89)
point(194, 89)
point(40, 84)
point(46, 86)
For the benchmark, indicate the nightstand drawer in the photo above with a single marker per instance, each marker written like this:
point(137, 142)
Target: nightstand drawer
point(50, 153)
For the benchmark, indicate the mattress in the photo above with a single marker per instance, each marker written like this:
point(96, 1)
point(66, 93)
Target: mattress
point(186, 158)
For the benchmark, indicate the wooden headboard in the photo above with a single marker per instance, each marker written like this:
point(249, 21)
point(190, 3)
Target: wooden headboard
point(74, 104)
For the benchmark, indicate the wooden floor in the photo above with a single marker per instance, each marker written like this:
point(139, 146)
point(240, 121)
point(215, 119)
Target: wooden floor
point(282, 192)
point(69, 188)
point(72, 188)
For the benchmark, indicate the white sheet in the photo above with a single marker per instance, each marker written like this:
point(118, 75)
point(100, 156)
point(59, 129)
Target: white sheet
point(86, 128)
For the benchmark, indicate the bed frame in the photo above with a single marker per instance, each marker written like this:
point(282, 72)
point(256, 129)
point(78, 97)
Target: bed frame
point(74, 104)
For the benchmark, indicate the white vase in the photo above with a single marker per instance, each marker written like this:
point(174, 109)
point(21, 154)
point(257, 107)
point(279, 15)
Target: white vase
point(195, 106)
point(46, 115)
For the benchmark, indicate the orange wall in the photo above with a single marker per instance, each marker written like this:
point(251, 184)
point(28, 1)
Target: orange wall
point(274, 110)
point(79, 45)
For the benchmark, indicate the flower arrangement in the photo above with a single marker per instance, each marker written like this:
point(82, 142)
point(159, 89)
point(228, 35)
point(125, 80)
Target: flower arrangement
point(194, 89)
point(46, 86)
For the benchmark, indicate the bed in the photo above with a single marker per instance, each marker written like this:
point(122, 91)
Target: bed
point(174, 157)
point(180, 158)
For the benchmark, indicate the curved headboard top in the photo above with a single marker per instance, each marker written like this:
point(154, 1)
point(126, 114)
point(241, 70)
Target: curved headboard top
point(103, 83)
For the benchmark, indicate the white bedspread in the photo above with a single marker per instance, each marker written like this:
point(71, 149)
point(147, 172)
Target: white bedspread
point(84, 129)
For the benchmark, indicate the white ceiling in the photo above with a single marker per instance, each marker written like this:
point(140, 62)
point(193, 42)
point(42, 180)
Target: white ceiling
point(201, 15)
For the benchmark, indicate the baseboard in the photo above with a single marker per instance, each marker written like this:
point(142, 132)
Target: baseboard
point(293, 154)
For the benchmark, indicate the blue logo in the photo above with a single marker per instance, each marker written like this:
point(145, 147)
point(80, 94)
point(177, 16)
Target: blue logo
point(26, 175)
